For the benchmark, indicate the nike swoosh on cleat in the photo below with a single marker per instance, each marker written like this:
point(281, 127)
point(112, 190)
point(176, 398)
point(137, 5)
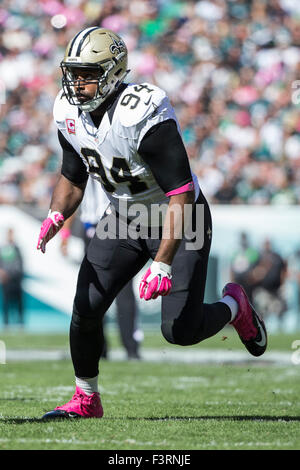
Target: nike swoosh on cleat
point(263, 340)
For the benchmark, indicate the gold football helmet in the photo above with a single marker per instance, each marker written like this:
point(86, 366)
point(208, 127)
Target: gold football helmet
point(99, 49)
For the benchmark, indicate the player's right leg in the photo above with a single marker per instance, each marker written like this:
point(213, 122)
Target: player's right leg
point(86, 345)
point(108, 266)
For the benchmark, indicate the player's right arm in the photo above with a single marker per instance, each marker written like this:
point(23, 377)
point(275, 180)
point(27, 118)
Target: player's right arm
point(66, 197)
point(67, 194)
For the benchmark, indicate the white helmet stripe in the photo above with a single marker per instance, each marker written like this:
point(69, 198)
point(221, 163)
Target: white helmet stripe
point(82, 40)
point(78, 40)
point(74, 39)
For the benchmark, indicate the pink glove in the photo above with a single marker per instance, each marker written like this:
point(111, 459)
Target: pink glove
point(156, 281)
point(49, 228)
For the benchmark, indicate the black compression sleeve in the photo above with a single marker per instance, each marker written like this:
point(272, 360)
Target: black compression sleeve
point(72, 167)
point(163, 150)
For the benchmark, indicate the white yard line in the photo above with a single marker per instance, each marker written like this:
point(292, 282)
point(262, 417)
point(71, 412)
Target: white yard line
point(109, 442)
point(203, 356)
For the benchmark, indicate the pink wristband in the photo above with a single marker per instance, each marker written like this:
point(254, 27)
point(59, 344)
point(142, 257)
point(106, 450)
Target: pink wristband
point(183, 189)
point(65, 233)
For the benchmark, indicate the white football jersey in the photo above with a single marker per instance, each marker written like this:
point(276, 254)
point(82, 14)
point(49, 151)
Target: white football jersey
point(94, 202)
point(110, 152)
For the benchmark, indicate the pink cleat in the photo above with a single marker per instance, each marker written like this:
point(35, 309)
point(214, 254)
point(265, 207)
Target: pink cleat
point(249, 326)
point(80, 406)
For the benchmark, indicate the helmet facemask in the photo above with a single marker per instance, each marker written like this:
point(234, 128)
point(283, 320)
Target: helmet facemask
point(108, 80)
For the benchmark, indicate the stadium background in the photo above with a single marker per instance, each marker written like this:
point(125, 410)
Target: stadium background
point(231, 69)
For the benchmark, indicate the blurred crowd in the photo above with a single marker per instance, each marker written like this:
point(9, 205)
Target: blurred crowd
point(230, 68)
point(262, 273)
point(271, 280)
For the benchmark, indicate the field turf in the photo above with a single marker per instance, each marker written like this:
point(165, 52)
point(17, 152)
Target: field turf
point(153, 406)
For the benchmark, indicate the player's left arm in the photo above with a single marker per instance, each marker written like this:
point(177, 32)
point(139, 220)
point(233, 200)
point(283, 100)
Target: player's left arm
point(163, 150)
point(173, 228)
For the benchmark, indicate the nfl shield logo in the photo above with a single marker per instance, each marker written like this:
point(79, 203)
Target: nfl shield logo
point(70, 125)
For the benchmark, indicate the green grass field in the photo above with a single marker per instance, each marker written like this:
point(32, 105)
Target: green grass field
point(154, 406)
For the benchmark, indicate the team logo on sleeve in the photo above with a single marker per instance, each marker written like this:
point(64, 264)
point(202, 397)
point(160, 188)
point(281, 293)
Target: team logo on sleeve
point(71, 126)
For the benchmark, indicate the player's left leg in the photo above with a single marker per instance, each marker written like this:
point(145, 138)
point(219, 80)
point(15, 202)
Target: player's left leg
point(187, 320)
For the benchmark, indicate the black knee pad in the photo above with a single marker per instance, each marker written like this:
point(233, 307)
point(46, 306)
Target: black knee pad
point(84, 323)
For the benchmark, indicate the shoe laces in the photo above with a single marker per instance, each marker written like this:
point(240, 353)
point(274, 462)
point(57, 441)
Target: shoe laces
point(85, 400)
point(77, 397)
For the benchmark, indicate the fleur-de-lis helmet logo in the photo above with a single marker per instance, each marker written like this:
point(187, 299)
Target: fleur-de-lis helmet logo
point(117, 46)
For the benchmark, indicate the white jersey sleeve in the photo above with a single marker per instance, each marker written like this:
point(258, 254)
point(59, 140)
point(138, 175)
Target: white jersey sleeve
point(143, 106)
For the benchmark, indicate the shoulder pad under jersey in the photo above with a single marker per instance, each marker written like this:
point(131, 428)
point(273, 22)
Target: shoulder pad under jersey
point(137, 102)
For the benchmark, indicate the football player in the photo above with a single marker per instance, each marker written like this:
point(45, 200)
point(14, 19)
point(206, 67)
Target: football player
point(126, 135)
